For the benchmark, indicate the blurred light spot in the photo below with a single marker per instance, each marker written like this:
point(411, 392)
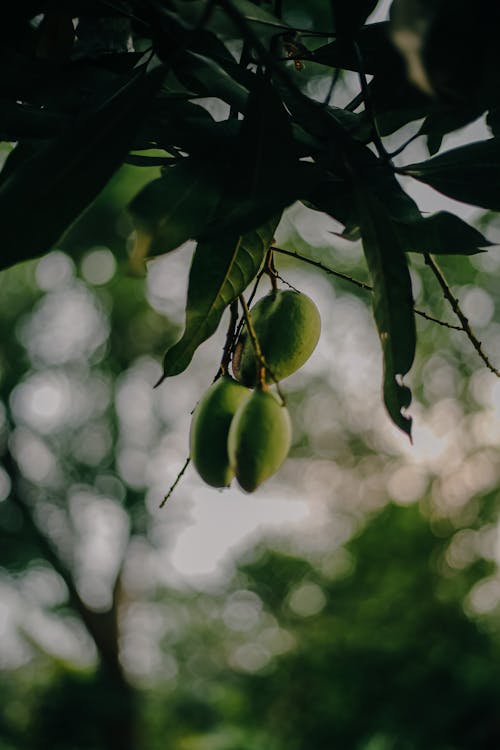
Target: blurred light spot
point(242, 611)
point(462, 549)
point(44, 586)
point(132, 464)
point(478, 306)
point(407, 484)
point(34, 458)
point(277, 640)
point(481, 386)
point(54, 271)
point(102, 534)
point(162, 294)
point(64, 326)
point(440, 379)
point(307, 600)
point(98, 266)
point(251, 657)
point(484, 597)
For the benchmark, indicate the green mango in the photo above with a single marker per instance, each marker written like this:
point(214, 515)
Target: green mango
point(259, 439)
point(209, 430)
point(287, 325)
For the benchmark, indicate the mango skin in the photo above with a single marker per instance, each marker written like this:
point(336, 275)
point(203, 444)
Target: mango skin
point(210, 427)
point(259, 439)
point(288, 326)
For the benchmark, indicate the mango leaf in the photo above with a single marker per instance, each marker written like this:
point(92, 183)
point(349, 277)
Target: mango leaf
point(377, 50)
point(21, 121)
point(260, 20)
point(207, 78)
point(468, 173)
point(175, 207)
point(264, 174)
point(392, 301)
point(441, 234)
point(437, 124)
point(41, 198)
point(221, 270)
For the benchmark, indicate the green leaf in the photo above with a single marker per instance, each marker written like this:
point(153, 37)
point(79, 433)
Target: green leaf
point(261, 21)
point(175, 207)
point(392, 302)
point(221, 270)
point(378, 52)
point(207, 78)
point(264, 173)
point(21, 121)
point(44, 194)
point(468, 173)
point(441, 234)
point(437, 124)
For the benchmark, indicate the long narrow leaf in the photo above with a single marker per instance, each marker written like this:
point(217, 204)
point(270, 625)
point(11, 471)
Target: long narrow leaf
point(221, 270)
point(392, 302)
point(468, 173)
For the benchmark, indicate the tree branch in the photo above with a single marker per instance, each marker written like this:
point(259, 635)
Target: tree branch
point(455, 305)
point(356, 282)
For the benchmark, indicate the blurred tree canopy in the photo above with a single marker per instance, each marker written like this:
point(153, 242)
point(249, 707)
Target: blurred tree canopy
point(209, 120)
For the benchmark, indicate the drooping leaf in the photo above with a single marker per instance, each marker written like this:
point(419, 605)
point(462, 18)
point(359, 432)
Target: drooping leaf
point(392, 302)
point(221, 270)
point(60, 180)
point(175, 207)
point(468, 173)
point(441, 234)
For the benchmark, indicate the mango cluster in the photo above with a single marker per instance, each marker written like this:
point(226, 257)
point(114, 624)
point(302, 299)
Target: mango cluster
point(244, 433)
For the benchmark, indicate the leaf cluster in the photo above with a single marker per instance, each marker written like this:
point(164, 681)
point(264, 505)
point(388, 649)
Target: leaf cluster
point(90, 86)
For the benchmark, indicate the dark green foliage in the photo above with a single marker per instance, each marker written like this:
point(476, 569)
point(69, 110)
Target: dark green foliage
point(78, 99)
point(468, 173)
point(47, 191)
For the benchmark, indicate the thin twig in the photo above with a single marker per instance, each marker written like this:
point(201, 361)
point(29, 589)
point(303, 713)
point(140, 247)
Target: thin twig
point(359, 284)
point(455, 305)
point(322, 267)
point(270, 269)
point(263, 367)
point(401, 148)
point(176, 482)
point(331, 88)
point(229, 343)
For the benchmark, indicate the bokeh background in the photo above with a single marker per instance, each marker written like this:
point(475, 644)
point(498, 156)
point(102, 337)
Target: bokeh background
point(351, 602)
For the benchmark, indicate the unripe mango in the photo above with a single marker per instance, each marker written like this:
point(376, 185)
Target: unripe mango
point(287, 325)
point(259, 439)
point(210, 427)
